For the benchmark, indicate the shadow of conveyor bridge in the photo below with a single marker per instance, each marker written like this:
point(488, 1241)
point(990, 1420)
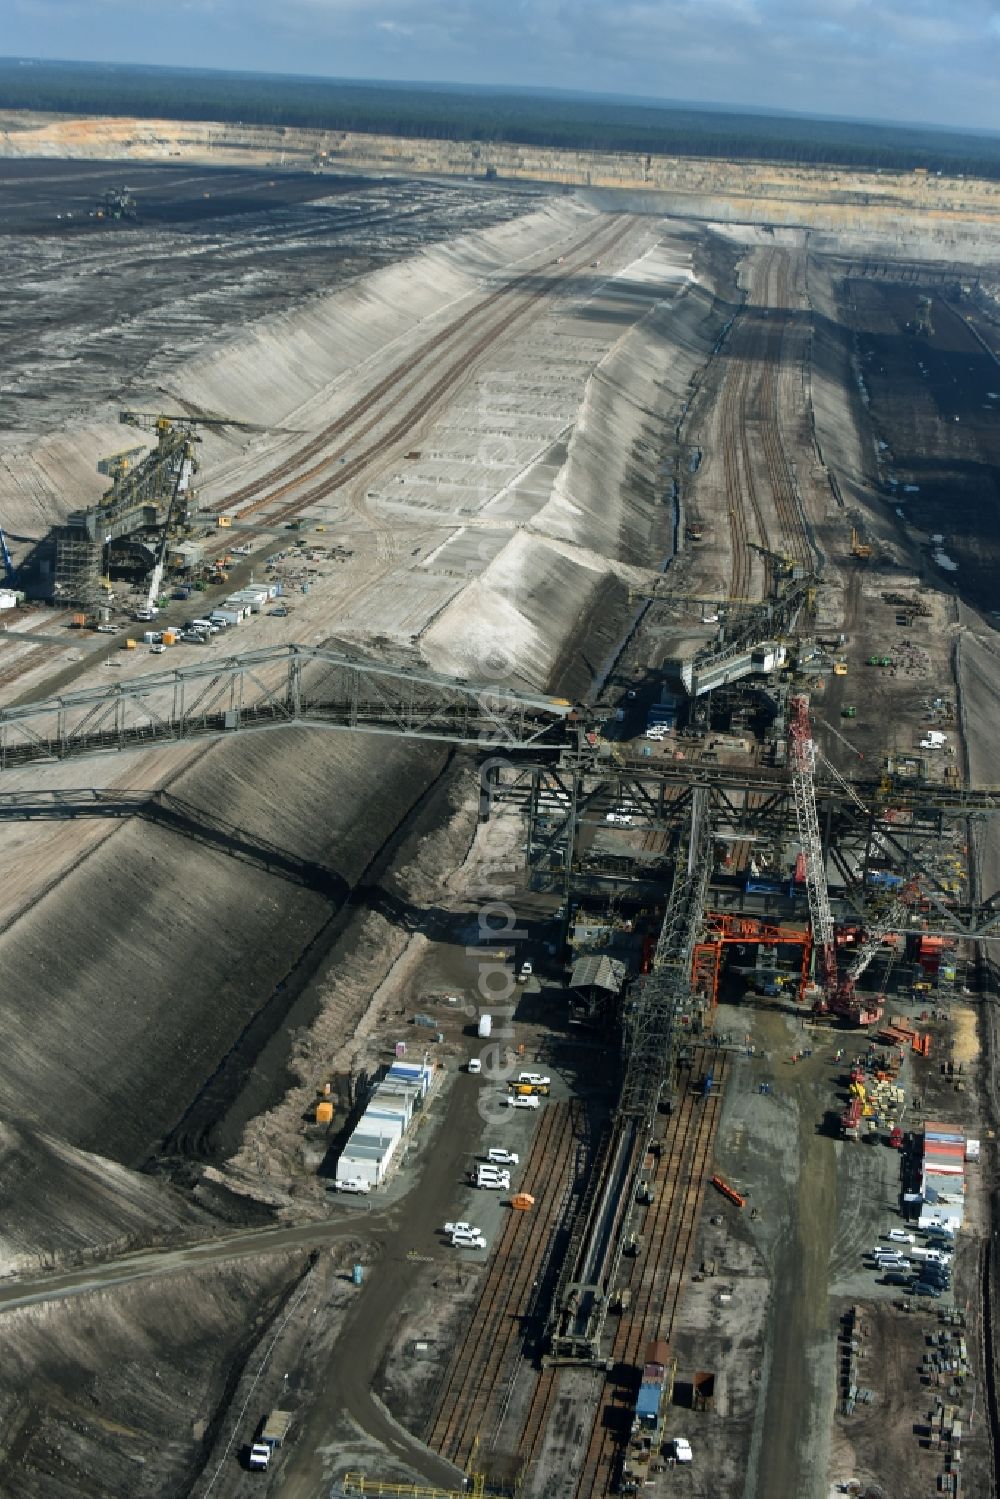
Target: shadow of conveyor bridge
point(166, 810)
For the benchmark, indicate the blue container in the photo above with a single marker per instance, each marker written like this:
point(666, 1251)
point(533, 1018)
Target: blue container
point(358, 1275)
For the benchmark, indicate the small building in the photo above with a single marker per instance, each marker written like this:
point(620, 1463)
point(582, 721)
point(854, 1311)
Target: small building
point(419, 1074)
point(595, 981)
point(942, 1176)
point(186, 555)
point(253, 598)
point(9, 598)
point(366, 1157)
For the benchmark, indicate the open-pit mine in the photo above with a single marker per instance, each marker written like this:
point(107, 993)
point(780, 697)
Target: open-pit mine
point(499, 777)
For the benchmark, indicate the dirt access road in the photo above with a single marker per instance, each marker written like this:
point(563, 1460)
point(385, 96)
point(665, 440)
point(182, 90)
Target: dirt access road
point(404, 1234)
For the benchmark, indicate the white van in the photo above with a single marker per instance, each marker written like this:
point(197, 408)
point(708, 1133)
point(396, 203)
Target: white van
point(525, 1101)
point(486, 1172)
point(495, 1183)
point(498, 1155)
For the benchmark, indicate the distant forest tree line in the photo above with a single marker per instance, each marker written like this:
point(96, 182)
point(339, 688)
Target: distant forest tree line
point(484, 116)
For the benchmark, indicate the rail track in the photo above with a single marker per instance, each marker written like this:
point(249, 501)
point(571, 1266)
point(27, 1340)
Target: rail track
point(471, 1401)
point(290, 478)
point(669, 1232)
point(749, 405)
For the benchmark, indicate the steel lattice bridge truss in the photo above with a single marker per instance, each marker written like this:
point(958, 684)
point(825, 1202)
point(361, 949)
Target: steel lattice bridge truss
point(864, 827)
point(282, 687)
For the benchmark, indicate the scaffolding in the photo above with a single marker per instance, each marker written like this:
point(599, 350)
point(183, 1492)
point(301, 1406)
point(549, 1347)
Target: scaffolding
point(77, 568)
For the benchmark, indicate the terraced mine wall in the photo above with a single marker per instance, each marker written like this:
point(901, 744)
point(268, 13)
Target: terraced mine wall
point(162, 980)
point(547, 598)
point(695, 187)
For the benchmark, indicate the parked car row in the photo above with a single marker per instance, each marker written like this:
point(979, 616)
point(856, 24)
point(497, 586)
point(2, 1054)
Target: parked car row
point(923, 1270)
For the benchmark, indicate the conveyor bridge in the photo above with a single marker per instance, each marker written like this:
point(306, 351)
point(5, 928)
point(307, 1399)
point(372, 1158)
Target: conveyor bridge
point(281, 687)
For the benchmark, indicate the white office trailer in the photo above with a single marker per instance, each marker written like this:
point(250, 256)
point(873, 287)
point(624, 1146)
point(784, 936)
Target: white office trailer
point(388, 1117)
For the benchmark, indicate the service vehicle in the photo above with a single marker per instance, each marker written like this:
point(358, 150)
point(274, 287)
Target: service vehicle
point(486, 1172)
point(157, 648)
point(526, 971)
point(468, 1241)
point(900, 1236)
point(524, 1101)
point(107, 629)
point(681, 1450)
point(924, 1288)
point(272, 1433)
point(619, 819)
point(896, 1278)
point(145, 614)
point(919, 1252)
point(353, 1184)
point(536, 1079)
point(499, 1156)
point(526, 1090)
point(460, 1227)
point(475, 1066)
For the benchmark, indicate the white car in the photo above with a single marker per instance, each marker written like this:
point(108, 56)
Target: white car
point(157, 649)
point(682, 1450)
point(461, 1227)
point(468, 1241)
point(900, 1236)
point(525, 1101)
point(498, 1156)
point(353, 1184)
point(535, 1079)
point(526, 972)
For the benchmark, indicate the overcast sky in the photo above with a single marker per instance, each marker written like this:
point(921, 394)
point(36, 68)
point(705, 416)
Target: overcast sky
point(934, 61)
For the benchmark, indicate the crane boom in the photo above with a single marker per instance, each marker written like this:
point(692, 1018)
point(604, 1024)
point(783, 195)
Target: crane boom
point(803, 758)
point(891, 920)
point(838, 993)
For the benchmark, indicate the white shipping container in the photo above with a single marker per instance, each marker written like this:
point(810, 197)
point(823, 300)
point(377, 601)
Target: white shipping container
point(485, 1026)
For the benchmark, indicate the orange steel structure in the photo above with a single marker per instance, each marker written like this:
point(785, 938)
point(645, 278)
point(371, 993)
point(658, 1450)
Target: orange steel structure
point(722, 928)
